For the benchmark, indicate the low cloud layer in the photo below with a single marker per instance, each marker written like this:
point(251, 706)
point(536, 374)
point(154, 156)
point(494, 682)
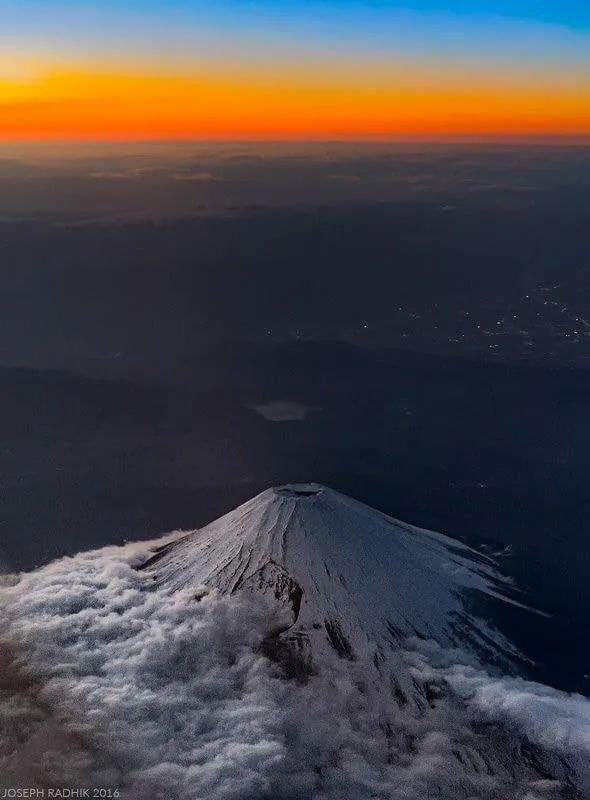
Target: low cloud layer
point(109, 682)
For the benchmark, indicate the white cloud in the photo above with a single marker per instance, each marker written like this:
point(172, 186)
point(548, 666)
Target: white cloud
point(112, 682)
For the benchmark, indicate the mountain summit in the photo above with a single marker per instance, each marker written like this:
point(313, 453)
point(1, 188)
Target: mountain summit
point(341, 574)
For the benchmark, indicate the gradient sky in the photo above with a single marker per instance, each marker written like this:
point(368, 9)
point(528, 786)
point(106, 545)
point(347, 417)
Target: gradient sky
point(242, 69)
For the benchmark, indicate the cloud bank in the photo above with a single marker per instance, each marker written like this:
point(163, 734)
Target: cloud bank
point(110, 682)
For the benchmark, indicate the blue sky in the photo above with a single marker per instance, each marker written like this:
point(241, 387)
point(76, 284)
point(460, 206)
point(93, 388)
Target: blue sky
point(570, 13)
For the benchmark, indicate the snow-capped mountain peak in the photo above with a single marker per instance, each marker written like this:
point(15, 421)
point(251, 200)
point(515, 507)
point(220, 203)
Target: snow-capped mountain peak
point(344, 575)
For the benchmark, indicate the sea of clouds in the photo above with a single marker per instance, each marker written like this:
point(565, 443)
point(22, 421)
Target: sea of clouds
point(106, 681)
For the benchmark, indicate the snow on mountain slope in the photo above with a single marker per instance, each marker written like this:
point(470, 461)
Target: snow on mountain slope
point(303, 646)
point(346, 575)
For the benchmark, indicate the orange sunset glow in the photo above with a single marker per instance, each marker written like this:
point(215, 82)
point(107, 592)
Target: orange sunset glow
point(91, 104)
